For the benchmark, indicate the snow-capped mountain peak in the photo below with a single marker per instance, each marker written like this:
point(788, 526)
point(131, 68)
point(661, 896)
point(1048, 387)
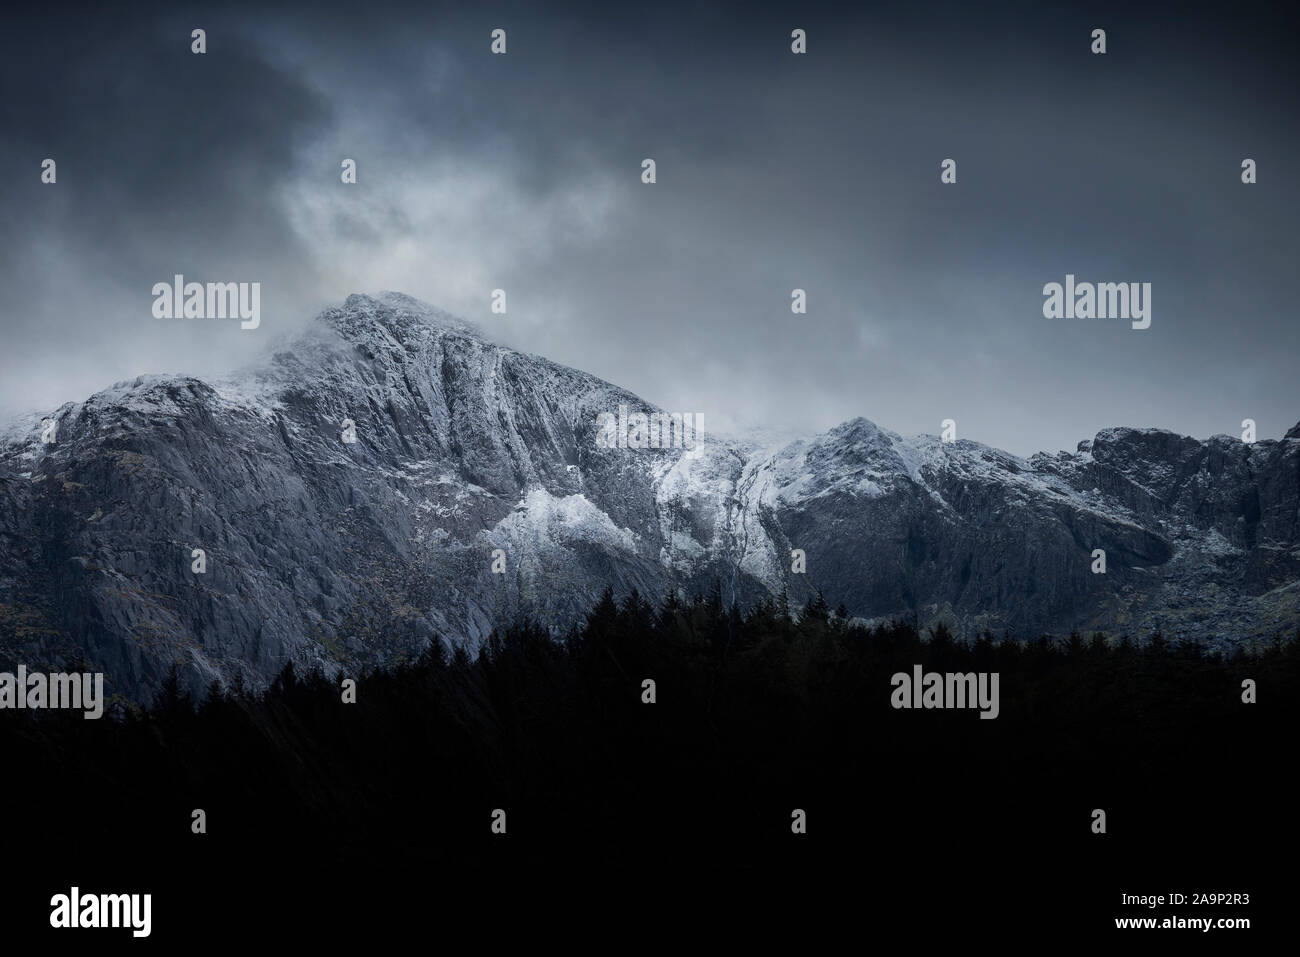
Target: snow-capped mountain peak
point(393, 478)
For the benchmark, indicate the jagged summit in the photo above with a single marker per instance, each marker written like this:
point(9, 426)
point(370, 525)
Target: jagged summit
point(393, 316)
point(351, 493)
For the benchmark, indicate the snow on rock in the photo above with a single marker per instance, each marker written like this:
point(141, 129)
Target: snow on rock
point(359, 554)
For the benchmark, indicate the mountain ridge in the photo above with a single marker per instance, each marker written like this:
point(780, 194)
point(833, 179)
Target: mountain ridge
point(357, 555)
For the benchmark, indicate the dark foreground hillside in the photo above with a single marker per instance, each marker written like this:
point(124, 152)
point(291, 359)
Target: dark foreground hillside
point(671, 822)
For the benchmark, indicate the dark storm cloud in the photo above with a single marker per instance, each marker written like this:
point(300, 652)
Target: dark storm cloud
point(167, 162)
point(774, 172)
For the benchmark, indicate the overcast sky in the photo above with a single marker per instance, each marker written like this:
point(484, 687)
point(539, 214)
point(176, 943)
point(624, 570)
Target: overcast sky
point(775, 171)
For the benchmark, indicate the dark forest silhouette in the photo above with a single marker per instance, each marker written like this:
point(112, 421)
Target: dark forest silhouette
point(757, 713)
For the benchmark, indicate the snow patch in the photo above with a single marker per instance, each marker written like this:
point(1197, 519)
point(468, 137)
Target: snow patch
point(542, 520)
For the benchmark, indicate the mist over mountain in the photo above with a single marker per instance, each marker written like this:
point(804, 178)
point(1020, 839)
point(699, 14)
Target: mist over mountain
point(351, 555)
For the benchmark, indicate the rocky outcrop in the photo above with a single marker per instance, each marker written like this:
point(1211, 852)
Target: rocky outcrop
point(468, 456)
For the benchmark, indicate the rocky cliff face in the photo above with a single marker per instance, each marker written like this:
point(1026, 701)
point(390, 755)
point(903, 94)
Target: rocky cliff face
point(350, 555)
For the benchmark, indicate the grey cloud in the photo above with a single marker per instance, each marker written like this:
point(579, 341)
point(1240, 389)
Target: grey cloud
point(775, 171)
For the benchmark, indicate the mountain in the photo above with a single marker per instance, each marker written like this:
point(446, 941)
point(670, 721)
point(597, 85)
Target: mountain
point(350, 555)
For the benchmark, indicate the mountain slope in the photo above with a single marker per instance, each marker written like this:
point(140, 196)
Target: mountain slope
point(351, 555)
